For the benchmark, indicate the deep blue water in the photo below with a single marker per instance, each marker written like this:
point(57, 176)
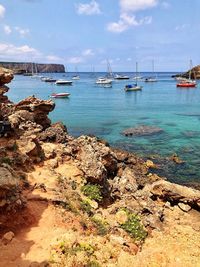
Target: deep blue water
point(106, 112)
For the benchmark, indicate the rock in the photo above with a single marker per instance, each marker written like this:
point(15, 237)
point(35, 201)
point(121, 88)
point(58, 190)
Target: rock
point(49, 150)
point(150, 164)
point(176, 159)
point(6, 76)
point(7, 238)
point(121, 217)
point(52, 163)
point(55, 133)
point(176, 193)
point(39, 108)
point(117, 240)
point(184, 207)
point(142, 130)
point(124, 184)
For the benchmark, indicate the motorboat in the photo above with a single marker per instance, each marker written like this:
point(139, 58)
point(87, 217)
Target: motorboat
point(103, 81)
point(76, 77)
point(121, 77)
point(60, 95)
point(63, 82)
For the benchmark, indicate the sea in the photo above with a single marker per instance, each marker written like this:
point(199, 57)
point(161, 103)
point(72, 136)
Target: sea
point(107, 112)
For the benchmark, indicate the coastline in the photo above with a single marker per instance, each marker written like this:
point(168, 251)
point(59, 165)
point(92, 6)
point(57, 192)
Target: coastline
point(100, 204)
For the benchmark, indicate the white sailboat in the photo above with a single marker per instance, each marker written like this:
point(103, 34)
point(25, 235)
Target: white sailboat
point(153, 77)
point(133, 87)
point(76, 76)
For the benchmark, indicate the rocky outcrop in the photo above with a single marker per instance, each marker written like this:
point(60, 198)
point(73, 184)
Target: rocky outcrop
point(142, 130)
point(6, 76)
point(176, 193)
point(28, 67)
point(194, 73)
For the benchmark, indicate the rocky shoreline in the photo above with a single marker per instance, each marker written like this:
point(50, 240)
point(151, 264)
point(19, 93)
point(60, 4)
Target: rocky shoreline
point(81, 202)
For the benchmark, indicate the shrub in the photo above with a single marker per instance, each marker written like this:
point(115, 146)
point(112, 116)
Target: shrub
point(92, 191)
point(86, 207)
point(134, 227)
point(101, 226)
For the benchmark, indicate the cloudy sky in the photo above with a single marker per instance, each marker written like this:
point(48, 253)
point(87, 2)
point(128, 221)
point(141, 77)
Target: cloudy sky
point(86, 33)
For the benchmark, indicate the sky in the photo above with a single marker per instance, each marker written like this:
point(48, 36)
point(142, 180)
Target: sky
point(88, 33)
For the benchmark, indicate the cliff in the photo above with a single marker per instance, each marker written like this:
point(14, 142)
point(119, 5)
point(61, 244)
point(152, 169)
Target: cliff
point(29, 67)
point(68, 201)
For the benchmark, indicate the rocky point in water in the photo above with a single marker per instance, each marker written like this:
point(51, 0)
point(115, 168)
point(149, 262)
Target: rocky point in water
point(68, 201)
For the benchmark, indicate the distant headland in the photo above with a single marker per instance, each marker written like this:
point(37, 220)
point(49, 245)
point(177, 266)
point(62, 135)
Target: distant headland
point(30, 67)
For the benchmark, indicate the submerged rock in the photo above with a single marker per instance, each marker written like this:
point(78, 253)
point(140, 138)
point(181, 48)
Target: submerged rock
point(142, 130)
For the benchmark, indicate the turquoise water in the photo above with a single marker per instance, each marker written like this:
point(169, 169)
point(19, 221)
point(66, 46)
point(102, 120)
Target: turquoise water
point(106, 112)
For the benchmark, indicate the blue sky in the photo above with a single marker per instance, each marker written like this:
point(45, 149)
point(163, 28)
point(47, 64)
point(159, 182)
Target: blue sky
point(86, 33)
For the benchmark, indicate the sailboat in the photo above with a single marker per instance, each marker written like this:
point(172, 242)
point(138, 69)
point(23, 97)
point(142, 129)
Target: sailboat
point(188, 83)
point(133, 87)
point(76, 76)
point(109, 74)
point(152, 78)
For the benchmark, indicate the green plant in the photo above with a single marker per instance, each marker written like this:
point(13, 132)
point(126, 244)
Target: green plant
point(134, 227)
point(77, 247)
point(92, 191)
point(101, 226)
point(86, 207)
point(6, 160)
point(92, 264)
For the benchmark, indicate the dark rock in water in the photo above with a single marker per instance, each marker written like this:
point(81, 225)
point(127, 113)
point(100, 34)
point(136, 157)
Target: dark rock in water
point(191, 134)
point(171, 124)
point(188, 114)
point(144, 118)
point(142, 130)
point(98, 131)
point(110, 123)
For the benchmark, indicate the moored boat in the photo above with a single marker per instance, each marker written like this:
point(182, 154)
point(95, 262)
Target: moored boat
point(60, 95)
point(132, 87)
point(103, 81)
point(187, 84)
point(63, 82)
point(48, 79)
point(121, 77)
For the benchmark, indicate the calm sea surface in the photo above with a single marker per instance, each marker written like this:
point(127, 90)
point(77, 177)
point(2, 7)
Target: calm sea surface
point(106, 112)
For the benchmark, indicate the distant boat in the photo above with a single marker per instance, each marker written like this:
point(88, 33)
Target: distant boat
point(151, 78)
point(109, 74)
point(76, 76)
point(48, 79)
point(60, 95)
point(187, 83)
point(133, 87)
point(121, 77)
point(63, 82)
point(103, 81)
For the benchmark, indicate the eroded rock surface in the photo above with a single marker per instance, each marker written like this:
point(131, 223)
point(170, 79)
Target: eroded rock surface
point(142, 130)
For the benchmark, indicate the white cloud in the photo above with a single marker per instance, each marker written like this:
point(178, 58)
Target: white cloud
point(129, 59)
point(165, 5)
point(2, 11)
point(126, 21)
point(181, 27)
point(75, 60)
point(12, 52)
point(91, 8)
point(53, 58)
point(22, 31)
point(7, 29)
point(136, 5)
point(88, 52)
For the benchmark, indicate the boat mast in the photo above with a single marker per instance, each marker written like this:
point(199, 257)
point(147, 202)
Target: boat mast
point(136, 72)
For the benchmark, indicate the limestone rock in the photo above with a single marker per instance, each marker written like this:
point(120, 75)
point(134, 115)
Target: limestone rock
point(6, 76)
point(55, 133)
point(7, 238)
point(176, 193)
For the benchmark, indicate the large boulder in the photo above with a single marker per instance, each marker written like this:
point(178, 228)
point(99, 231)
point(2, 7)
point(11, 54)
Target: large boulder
point(55, 133)
point(39, 108)
point(6, 76)
point(97, 161)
